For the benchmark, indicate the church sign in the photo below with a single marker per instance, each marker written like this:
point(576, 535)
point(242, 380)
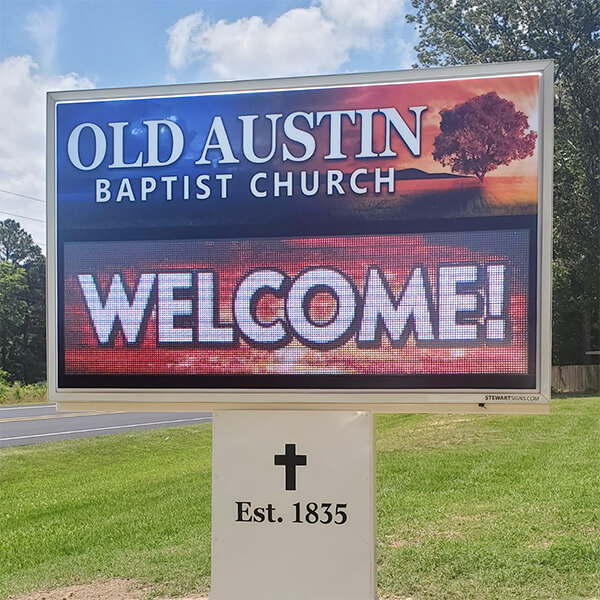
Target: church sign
point(372, 240)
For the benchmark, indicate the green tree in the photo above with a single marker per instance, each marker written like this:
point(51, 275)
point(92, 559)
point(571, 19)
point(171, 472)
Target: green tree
point(13, 313)
point(22, 305)
point(16, 245)
point(454, 32)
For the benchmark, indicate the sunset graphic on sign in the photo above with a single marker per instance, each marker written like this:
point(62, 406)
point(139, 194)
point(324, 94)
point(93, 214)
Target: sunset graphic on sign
point(420, 338)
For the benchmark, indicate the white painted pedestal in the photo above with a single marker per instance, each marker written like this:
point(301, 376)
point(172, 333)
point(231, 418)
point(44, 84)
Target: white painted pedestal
point(314, 540)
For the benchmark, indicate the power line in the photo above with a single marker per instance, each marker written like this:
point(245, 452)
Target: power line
point(23, 217)
point(4, 212)
point(23, 196)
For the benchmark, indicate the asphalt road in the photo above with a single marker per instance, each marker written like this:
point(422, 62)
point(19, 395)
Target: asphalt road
point(22, 425)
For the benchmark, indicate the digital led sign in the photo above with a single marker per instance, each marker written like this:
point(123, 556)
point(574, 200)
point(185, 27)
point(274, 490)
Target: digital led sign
point(350, 239)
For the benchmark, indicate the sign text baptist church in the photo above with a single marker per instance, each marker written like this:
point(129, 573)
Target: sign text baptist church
point(331, 135)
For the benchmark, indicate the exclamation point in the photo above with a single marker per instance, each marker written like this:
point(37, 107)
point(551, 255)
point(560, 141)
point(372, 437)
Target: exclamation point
point(495, 323)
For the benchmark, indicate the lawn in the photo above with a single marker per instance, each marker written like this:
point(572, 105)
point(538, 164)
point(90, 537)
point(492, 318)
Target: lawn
point(469, 507)
point(17, 393)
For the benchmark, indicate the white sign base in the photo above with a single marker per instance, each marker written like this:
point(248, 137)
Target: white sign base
point(293, 506)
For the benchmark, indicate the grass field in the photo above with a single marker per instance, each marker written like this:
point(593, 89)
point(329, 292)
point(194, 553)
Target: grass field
point(17, 393)
point(469, 508)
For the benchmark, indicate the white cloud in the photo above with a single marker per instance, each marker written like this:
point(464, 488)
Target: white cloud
point(405, 49)
point(43, 27)
point(362, 20)
point(312, 40)
point(23, 139)
point(179, 46)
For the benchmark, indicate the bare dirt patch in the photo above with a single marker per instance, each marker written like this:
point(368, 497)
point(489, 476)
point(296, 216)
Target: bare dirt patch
point(115, 589)
point(111, 589)
point(418, 538)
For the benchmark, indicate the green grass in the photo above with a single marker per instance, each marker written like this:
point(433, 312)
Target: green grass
point(491, 507)
point(131, 505)
point(469, 508)
point(17, 393)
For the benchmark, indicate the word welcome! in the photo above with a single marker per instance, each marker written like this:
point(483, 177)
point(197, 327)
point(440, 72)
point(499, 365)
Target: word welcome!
point(468, 307)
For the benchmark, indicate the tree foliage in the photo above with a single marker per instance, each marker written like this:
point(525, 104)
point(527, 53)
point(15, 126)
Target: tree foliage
point(22, 305)
point(16, 245)
point(482, 134)
point(13, 311)
point(454, 32)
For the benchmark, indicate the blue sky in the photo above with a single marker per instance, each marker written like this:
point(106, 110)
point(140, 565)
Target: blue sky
point(72, 44)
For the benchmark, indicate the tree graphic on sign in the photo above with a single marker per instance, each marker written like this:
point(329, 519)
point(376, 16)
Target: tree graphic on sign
point(482, 134)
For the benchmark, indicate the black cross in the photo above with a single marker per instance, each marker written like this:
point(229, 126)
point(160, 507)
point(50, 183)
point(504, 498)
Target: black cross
point(290, 460)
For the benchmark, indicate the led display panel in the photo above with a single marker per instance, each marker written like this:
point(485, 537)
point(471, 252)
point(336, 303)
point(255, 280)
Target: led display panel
point(371, 238)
